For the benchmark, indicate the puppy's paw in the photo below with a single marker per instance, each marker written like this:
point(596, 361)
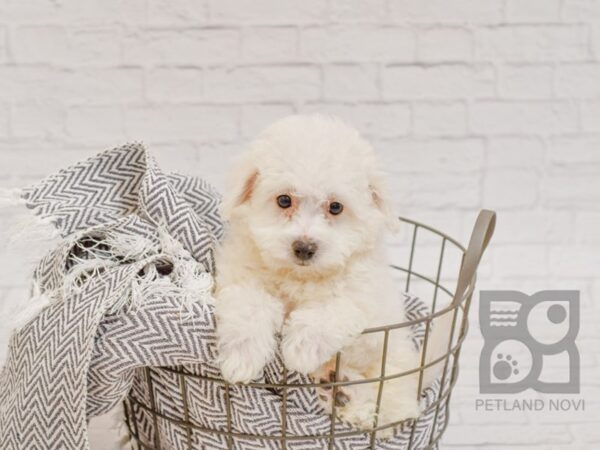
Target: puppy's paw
point(305, 349)
point(326, 375)
point(360, 413)
point(242, 362)
point(246, 346)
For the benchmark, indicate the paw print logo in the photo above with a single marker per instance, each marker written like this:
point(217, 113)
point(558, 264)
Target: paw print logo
point(522, 334)
point(505, 367)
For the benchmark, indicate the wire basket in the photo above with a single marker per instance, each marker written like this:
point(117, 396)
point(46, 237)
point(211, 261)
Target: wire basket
point(431, 264)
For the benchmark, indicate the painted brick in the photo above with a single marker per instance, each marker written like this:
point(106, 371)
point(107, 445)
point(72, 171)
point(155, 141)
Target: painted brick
point(513, 435)
point(574, 154)
point(3, 44)
point(189, 46)
point(471, 11)
point(26, 83)
point(38, 120)
point(526, 81)
point(94, 12)
point(184, 160)
point(591, 436)
point(102, 124)
point(358, 43)
point(374, 120)
point(434, 156)
point(587, 226)
point(263, 83)
point(440, 119)
point(118, 85)
point(570, 191)
point(573, 261)
point(216, 159)
point(29, 11)
point(350, 82)
point(35, 44)
point(444, 44)
point(595, 41)
point(533, 10)
point(515, 152)
point(55, 44)
point(496, 117)
point(95, 46)
point(256, 117)
point(590, 115)
point(442, 191)
point(578, 80)
point(195, 122)
point(34, 159)
point(32, 83)
point(270, 44)
point(528, 43)
point(534, 227)
point(269, 11)
point(81, 12)
point(581, 10)
point(177, 12)
point(4, 120)
point(357, 10)
point(175, 84)
point(437, 82)
point(510, 188)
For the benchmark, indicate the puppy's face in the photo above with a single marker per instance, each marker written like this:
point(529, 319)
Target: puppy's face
point(308, 195)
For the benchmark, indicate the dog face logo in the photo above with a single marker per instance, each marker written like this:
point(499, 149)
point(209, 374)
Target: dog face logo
point(524, 336)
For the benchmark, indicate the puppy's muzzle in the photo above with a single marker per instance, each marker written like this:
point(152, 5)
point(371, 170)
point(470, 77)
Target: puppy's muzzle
point(304, 250)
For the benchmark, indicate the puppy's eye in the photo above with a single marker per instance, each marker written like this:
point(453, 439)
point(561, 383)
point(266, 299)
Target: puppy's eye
point(284, 201)
point(335, 208)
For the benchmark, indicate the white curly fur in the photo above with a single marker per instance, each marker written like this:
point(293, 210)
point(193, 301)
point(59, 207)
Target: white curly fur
point(320, 306)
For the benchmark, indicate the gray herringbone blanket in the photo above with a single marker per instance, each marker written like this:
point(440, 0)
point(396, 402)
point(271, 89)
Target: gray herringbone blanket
point(130, 287)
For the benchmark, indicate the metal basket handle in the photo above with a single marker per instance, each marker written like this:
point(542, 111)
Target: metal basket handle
point(480, 238)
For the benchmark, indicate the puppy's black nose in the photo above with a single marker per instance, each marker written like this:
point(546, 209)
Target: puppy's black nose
point(304, 250)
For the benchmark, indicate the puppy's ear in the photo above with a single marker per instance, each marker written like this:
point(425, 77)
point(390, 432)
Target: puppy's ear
point(241, 189)
point(381, 200)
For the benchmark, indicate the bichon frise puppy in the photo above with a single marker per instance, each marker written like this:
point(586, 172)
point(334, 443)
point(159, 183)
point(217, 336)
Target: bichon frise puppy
point(303, 257)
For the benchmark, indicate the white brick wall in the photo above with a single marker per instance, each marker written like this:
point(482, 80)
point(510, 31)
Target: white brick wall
point(472, 103)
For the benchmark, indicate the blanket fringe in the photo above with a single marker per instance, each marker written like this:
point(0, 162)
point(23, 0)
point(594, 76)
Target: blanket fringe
point(122, 434)
point(29, 229)
point(23, 224)
point(129, 246)
point(187, 282)
point(195, 284)
point(25, 240)
point(168, 269)
point(11, 197)
point(30, 309)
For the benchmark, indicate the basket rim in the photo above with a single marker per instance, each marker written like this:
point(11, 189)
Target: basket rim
point(433, 230)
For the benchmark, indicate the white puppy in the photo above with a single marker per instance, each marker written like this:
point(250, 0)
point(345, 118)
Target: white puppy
point(303, 256)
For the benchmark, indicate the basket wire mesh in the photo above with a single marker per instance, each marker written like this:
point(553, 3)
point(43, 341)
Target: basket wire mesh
point(458, 286)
